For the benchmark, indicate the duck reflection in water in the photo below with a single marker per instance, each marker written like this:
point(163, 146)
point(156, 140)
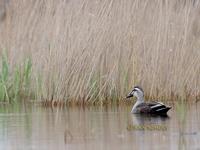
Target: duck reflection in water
point(148, 122)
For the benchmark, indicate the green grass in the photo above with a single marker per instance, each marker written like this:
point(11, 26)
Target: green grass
point(15, 85)
point(4, 87)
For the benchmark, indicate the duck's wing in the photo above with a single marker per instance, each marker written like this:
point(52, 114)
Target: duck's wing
point(159, 108)
point(144, 108)
point(153, 107)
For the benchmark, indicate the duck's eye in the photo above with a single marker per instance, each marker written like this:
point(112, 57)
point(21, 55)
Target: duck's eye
point(134, 90)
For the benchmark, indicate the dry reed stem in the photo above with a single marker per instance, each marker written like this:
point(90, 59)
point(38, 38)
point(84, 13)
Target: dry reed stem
point(97, 50)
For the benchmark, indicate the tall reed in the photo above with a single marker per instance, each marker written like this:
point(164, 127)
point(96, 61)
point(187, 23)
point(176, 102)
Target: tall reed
point(96, 50)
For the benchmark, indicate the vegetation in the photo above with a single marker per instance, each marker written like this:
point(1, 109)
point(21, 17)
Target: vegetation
point(14, 85)
point(95, 51)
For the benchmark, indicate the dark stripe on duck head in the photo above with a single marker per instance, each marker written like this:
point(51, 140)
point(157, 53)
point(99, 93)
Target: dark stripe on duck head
point(138, 87)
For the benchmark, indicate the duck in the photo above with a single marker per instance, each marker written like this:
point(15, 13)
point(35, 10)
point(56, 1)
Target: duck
point(142, 107)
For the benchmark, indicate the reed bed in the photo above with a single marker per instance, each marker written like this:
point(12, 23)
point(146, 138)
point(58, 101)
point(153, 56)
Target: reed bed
point(89, 51)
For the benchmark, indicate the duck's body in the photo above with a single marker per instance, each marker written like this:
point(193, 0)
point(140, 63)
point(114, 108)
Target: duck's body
point(146, 108)
point(151, 108)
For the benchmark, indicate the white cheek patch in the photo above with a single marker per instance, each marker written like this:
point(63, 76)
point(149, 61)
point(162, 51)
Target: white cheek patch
point(135, 94)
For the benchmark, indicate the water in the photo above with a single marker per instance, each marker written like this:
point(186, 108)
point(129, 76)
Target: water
point(99, 128)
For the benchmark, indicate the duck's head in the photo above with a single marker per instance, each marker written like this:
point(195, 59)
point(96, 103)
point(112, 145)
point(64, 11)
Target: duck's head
point(137, 92)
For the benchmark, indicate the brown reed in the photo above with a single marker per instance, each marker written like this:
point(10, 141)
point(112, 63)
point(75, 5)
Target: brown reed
point(97, 50)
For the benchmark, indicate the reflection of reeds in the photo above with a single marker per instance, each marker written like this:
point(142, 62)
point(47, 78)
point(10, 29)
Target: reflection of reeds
point(182, 142)
point(181, 114)
point(91, 51)
point(181, 111)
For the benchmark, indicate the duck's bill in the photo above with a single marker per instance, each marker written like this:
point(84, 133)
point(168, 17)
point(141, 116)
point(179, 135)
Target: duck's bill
point(129, 95)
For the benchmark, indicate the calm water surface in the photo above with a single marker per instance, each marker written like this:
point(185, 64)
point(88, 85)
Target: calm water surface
point(96, 128)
